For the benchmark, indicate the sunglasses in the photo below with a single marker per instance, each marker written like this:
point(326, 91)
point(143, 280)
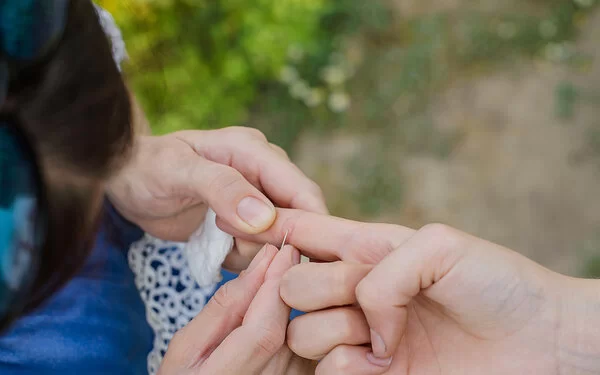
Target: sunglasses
point(23, 221)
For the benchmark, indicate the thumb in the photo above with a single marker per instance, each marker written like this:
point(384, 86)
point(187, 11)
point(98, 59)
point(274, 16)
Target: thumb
point(385, 293)
point(231, 196)
point(192, 345)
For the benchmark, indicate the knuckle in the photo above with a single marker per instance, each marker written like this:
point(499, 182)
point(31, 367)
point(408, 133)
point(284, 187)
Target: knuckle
point(367, 244)
point(279, 150)
point(346, 323)
point(223, 178)
point(293, 339)
point(289, 225)
point(445, 245)
point(342, 280)
point(270, 338)
point(439, 231)
point(315, 190)
point(247, 132)
point(367, 296)
point(256, 134)
point(442, 239)
point(223, 297)
point(342, 360)
point(307, 196)
point(167, 156)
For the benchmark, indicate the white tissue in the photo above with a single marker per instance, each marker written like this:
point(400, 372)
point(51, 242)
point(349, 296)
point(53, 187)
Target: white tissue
point(206, 251)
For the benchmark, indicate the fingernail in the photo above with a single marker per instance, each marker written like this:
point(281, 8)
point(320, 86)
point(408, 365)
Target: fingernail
point(255, 213)
point(295, 257)
point(380, 362)
point(378, 345)
point(256, 261)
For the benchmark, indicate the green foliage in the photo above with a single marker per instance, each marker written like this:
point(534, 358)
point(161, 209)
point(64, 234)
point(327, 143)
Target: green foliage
point(199, 64)
point(290, 66)
point(313, 91)
point(592, 268)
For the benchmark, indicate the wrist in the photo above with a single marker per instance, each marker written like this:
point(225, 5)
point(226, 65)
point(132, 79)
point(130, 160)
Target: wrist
point(578, 328)
point(119, 179)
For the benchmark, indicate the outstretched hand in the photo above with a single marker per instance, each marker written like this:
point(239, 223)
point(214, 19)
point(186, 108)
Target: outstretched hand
point(433, 301)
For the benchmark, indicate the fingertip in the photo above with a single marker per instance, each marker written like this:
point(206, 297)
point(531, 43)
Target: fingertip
point(387, 327)
point(255, 215)
point(272, 249)
point(287, 287)
point(283, 261)
point(321, 207)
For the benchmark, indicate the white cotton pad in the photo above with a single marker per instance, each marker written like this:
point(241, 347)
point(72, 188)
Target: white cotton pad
point(206, 251)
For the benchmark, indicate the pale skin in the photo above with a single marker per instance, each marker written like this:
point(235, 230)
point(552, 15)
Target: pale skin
point(390, 300)
point(171, 180)
point(442, 301)
point(242, 329)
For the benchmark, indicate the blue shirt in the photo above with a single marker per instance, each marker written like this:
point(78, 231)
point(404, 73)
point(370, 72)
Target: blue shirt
point(95, 325)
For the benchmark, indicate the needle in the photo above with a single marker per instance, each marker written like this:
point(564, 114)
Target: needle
point(284, 238)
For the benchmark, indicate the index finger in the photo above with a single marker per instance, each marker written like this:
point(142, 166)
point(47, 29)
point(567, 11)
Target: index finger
point(262, 334)
point(261, 164)
point(279, 178)
point(330, 238)
point(194, 343)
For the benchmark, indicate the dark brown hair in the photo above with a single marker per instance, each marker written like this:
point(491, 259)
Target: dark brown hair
point(74, 108)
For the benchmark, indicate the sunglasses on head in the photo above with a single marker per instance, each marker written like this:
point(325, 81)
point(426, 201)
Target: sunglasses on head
point(29, 31)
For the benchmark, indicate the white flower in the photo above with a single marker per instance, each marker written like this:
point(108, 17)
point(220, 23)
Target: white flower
point(548, 29)
point(334, 75)
point(314, 98)
point(557, 52)
point(288, 74)
point(295, 53)
point(507, 30)
point(299, 90)
point(339, 102)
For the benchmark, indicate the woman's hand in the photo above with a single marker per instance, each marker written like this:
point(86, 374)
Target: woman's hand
point(433, 301)
point(172, 179)
point(243, 327)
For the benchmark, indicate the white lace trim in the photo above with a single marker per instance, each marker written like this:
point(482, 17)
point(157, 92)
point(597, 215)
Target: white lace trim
point(168, 276)
point(170, 293)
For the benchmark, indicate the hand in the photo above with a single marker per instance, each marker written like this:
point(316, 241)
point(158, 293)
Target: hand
point(172, 179)
point(242, 329)
point(433, 301)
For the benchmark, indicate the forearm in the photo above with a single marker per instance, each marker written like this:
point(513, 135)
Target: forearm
point(578, 334)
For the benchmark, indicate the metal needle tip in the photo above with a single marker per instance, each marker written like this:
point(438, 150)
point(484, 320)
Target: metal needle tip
point(284, 238)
